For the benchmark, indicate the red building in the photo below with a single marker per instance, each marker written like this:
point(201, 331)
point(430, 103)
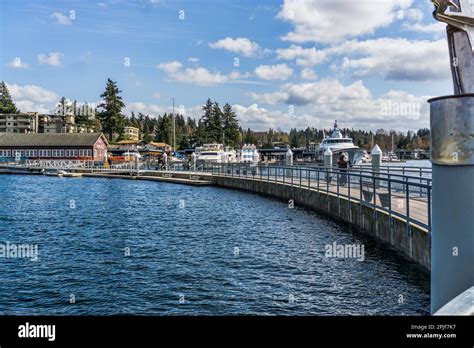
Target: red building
point(69, 146)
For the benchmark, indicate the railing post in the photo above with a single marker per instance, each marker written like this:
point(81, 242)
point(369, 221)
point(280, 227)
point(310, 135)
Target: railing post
point(408, 205)
point(428, 192)
point(349, 185)
point(318, 171)
point(328, 163)
point(376, 154)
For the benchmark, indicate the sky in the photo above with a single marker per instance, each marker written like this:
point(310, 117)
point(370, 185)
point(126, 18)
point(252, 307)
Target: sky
point(280, 63)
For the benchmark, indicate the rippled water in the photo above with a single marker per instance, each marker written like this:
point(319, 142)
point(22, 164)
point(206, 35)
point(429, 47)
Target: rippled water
point(193, 250)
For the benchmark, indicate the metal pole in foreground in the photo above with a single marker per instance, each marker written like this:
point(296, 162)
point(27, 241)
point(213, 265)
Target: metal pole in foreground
point(452, 236)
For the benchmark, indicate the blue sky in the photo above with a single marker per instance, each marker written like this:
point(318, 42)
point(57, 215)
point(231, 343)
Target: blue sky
point(300, 62)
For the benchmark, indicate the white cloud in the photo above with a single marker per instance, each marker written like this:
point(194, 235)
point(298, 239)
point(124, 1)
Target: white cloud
point(33, 98)
point(240, 45)
point(414, 14)
point(353, 104)
point(53, 58)
point(270, 98)
point(396, 59)
point(336, 20)
point(392, 59)
point(274, 72)
point(303, 56)
point(308, 74)
point(17, 63)
point(170, 67)
point(144, 108)
point(438, 29)
point(61, 18)
point(193, 60)
point(198, 76)
point(259, 118)
point(156, 95)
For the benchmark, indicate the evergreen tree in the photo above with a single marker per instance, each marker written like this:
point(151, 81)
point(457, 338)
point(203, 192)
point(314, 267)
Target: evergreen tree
point(215, 124)
point(111, 117)
point(206, 118)
point(6, 102)
point(231, 125)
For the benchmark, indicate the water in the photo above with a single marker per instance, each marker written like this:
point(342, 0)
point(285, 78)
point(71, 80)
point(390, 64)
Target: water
point(183, 257)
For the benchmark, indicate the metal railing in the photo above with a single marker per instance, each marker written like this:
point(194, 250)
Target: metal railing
point(403, 196)
point(398, 191)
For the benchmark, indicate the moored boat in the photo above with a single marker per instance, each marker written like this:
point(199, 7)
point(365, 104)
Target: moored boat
point(339, 144)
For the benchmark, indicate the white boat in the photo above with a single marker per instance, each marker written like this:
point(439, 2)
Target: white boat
point(63, 173)
point(390, 157)
point(338, 144)
point(132, 155)
point(249, 154)
point(71, 175)
point(215, 153)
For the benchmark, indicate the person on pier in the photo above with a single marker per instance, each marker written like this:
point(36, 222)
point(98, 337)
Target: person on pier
point(342, 165)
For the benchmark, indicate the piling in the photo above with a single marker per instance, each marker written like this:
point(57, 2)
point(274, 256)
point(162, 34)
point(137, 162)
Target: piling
point(452, 157)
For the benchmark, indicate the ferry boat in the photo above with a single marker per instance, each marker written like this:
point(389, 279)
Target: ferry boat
point(249, 154)
point(215, 153)
point(338, 144)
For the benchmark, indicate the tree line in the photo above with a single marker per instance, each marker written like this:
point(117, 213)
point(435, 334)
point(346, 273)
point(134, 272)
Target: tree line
point(220, 124)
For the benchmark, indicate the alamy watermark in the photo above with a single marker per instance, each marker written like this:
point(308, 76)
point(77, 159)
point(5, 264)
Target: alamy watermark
point(391, 108)
point(12, 251)
point(345, 251)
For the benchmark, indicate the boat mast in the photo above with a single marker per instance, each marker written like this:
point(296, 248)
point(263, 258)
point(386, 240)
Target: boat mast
point(174, 129)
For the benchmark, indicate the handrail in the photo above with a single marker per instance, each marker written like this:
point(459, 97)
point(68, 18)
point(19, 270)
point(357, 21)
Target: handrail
point(404, 196)
point(379, 190)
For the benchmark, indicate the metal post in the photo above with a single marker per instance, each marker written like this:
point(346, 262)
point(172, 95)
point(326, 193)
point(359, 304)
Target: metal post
point(289, 162)
point(137, 164)
point(328, 163)
point(376, 154)
point(165, 160)
point(318, 179)
point(193, 161)
point(452, 156)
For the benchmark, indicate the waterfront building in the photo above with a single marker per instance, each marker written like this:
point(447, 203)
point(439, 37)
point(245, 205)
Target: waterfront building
point(19, 123)
point(157, 147)
point(62, 124)
point(54, 146)
point(131, 133)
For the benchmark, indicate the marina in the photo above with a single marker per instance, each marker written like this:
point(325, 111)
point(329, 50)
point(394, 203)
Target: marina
point(296, 172)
